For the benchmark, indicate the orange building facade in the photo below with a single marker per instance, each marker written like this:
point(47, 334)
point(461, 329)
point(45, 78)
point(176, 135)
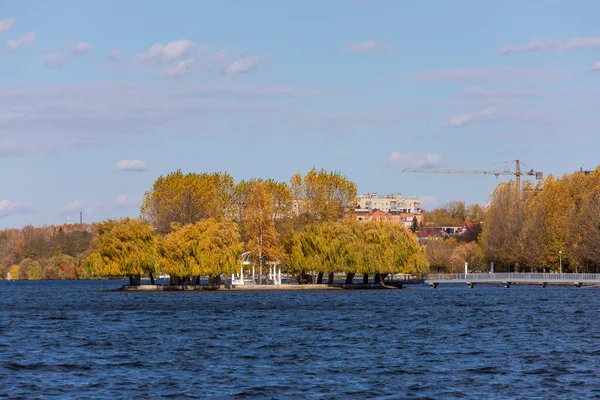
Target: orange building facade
point(390, 216)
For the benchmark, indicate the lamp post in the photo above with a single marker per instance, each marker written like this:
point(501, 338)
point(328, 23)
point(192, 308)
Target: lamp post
point(560, 261)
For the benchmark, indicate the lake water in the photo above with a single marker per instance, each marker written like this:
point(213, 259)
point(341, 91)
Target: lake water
point(72, 340)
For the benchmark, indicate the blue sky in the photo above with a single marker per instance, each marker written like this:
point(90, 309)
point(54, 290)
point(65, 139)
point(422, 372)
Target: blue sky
point(97, 99)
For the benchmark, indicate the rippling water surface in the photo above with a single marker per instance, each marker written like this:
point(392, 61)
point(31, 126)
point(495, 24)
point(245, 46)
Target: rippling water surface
point(72, 340)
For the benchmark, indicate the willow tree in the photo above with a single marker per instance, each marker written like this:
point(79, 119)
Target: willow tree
point(322, 196)
point(261, 237)
point(126, 247)
point(208, 247)
point(358, 247)
point(187, 198)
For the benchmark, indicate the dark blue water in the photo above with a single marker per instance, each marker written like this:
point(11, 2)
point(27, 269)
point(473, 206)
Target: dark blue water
point(71, 340)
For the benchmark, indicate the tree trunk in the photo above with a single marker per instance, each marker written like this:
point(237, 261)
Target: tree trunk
point(152, 279)
point(330, 279)
point(135, 280)
point(320, 278)
point(214, 280)
point(303, 278)
point(365, 278)
point(380, 278)
point(349, 278)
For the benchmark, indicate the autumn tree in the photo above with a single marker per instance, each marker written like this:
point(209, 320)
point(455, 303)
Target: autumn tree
point(354, 247)
point(208, 247)
point(453, 213)
point(261, 237)
point(439, 253)
point(501, 238)
point(187, 198)
point(322, 196)
point(470, 253)
point(126, 247)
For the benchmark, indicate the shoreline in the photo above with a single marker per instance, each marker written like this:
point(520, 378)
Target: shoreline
point(255, 288)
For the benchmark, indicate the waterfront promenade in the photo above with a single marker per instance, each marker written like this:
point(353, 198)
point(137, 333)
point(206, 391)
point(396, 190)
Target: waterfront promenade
point(531, 278)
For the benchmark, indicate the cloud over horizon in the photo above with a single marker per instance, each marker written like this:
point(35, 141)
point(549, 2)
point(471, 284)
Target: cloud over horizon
point(243, 65)
point(14, 46)
point(57, 58)
point(371, 46)
point(419, 161)
point(131, 165)
point(6, 24)
point(494, 74)
point(553, 46)
point(8, 207)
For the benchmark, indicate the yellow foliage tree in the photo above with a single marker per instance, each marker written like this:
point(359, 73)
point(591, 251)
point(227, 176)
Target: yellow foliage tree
point(126, 247)
point(208, 247)
point(187, 198)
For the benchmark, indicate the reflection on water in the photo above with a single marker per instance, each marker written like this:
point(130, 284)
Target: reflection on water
point(70, 339)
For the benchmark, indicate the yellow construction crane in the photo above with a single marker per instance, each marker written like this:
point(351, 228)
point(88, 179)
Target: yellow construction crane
point(517, 172)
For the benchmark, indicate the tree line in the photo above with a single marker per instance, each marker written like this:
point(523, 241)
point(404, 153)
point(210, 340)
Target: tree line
point(47, 252)
point(550, 226)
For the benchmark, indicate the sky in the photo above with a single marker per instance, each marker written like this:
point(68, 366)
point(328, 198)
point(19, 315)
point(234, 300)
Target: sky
point(98, 99)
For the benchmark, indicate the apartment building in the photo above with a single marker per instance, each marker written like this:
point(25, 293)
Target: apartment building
point(388, 203)
point(392, 208)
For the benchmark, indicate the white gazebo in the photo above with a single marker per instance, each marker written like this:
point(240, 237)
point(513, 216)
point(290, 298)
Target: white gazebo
point(274, 277)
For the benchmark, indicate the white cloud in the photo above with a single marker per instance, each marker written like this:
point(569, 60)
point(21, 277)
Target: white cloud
point(168, 52)
point(74, 207)
point(80, 48)
point(467, 119)
point(243, 65)
point(131, 165)
point(498, 93)
point(489, 111)
point(113, 55)
point(371, 46)
point(428, 201)
point(56, 58)
point(459, 121)
point(542, 45)
point(485, 75)
point(181, 68)
point(46, 119)
point(124, 201)
point(596, 67)
point(97, 210)
point(8, 207)
point(421, 161)
point(13, 46)
point(6, 24)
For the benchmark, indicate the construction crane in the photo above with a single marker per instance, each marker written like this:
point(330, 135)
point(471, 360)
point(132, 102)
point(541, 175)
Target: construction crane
point(517, 172)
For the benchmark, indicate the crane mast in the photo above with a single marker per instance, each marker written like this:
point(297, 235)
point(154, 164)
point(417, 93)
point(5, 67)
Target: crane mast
point(517, 172)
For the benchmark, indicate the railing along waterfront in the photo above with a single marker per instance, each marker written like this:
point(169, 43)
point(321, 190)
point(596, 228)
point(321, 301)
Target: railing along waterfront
point(514, 277)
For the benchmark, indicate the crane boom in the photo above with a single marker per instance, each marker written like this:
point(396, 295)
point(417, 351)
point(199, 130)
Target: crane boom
point(459, 171)
point(517, 173)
